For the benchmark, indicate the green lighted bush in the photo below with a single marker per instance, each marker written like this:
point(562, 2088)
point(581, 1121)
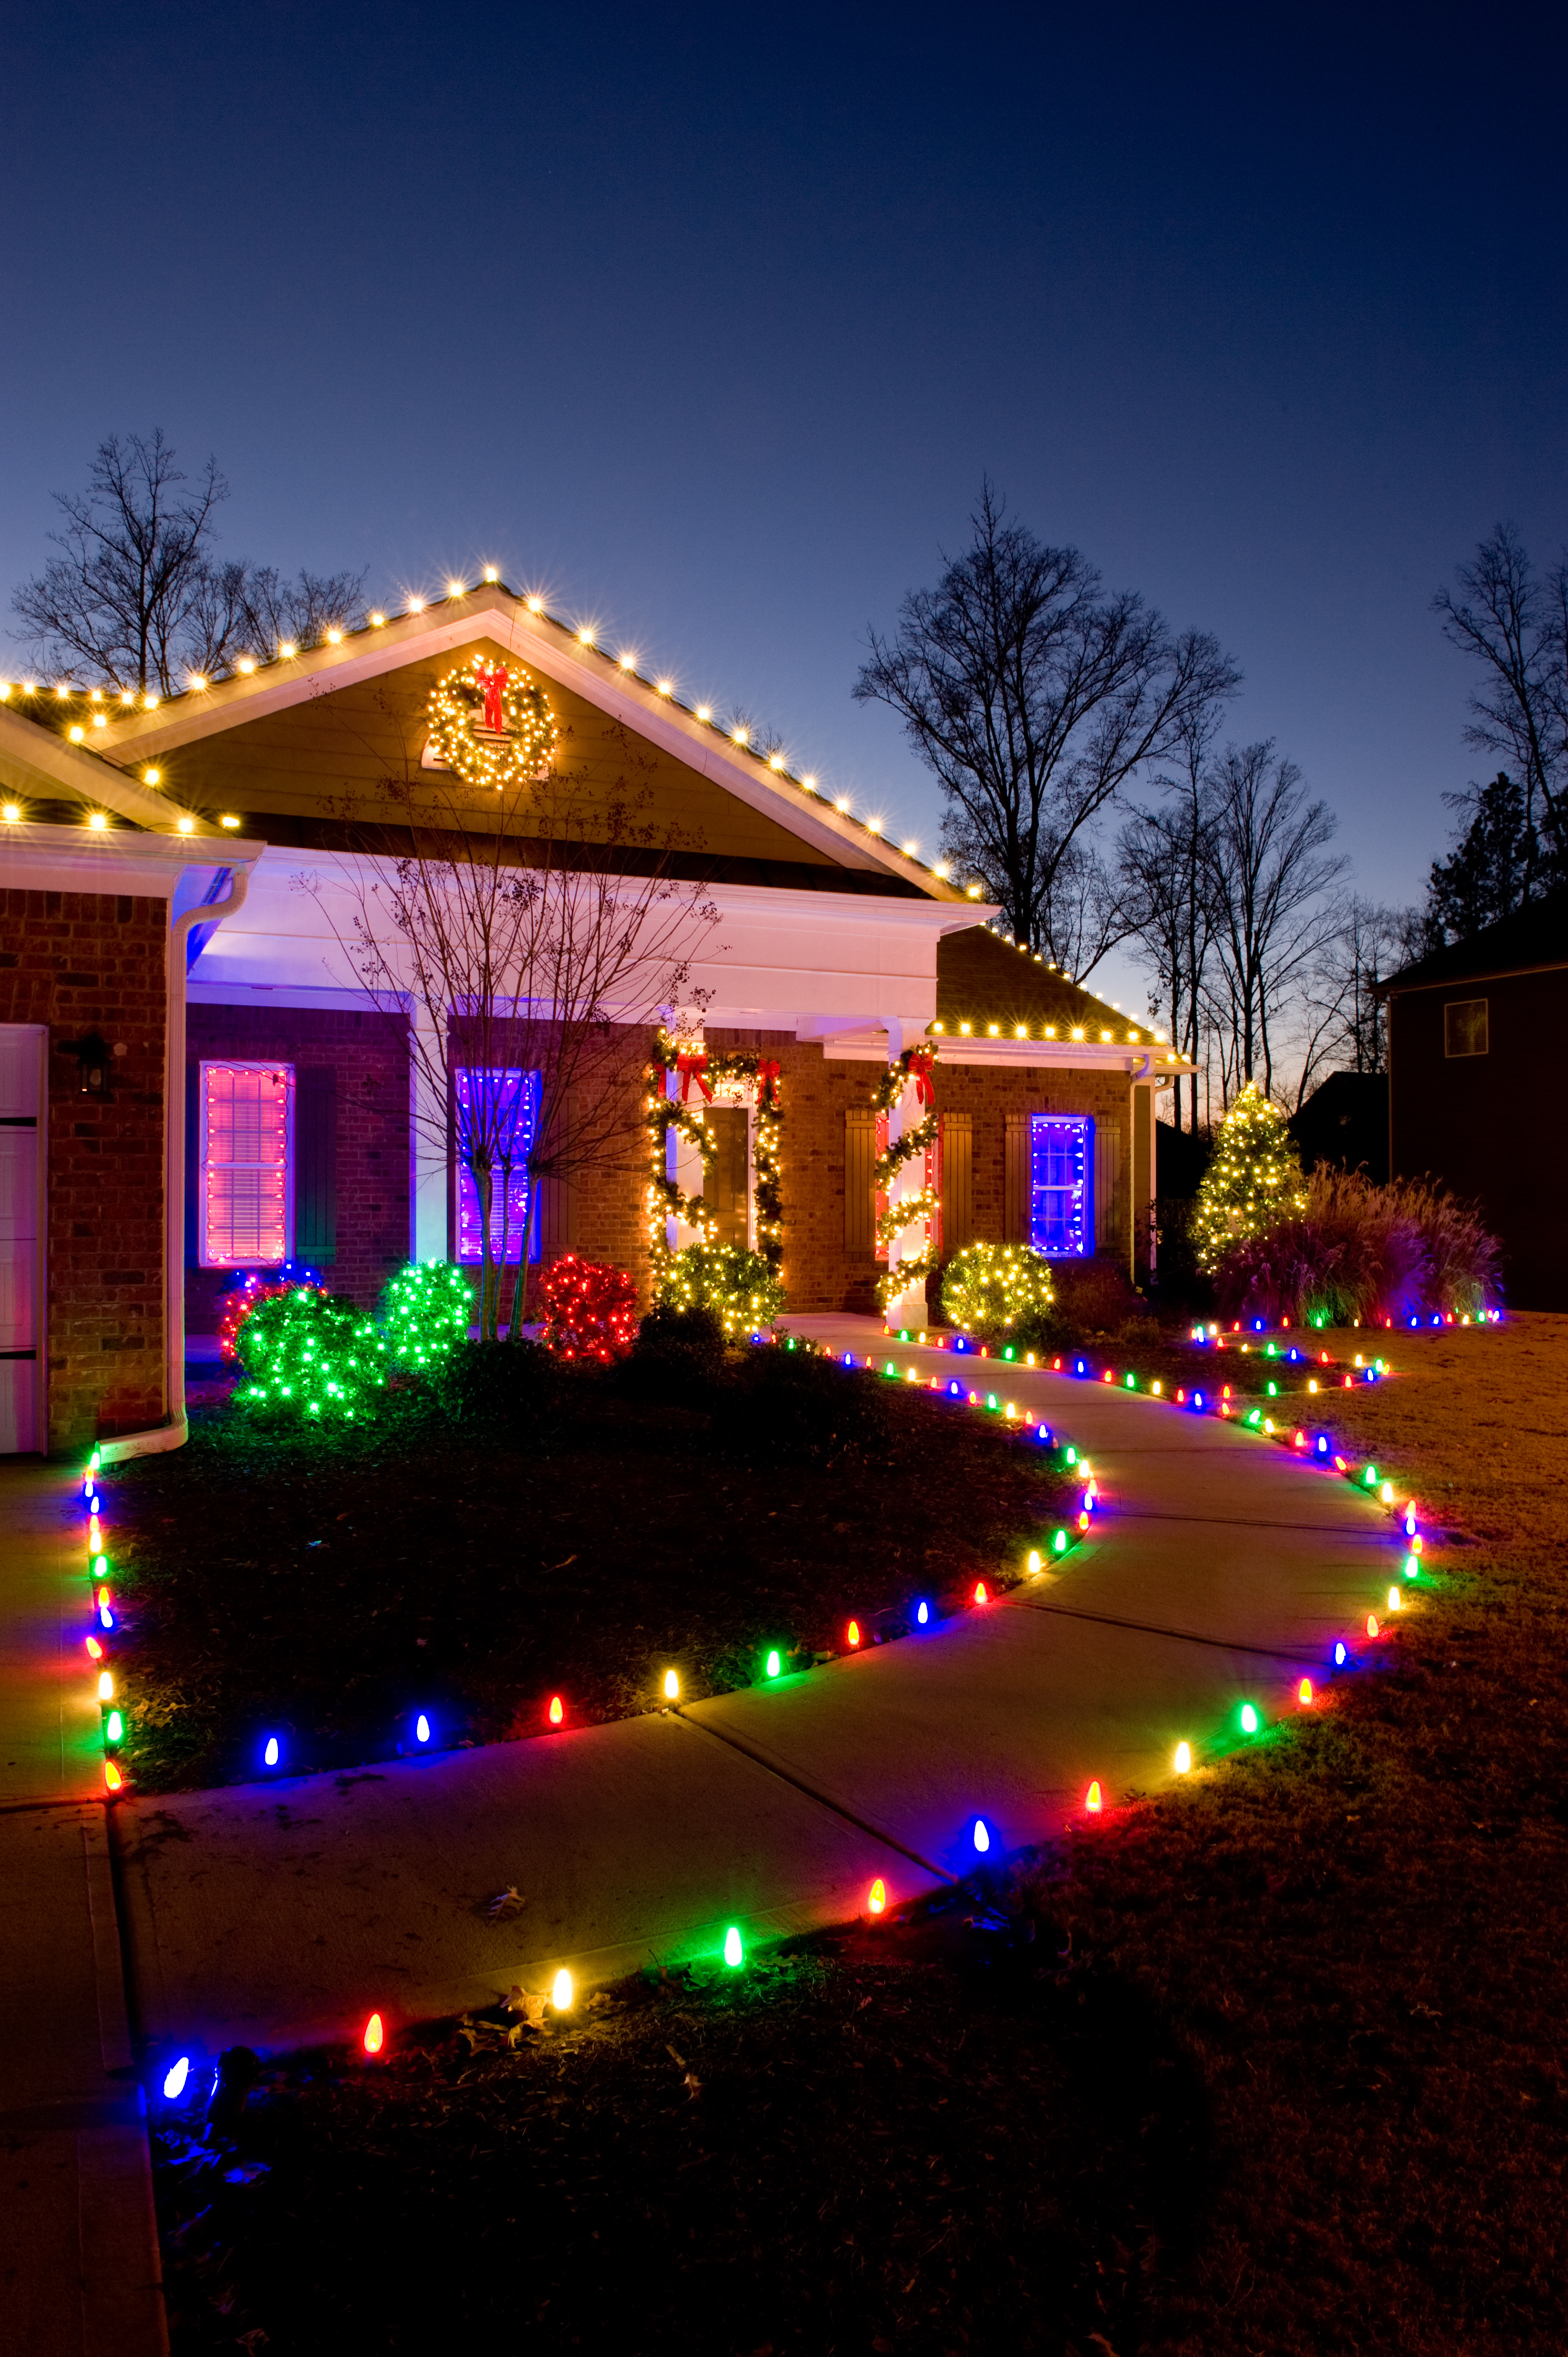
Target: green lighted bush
point(425, 1310)
point(737, 1285)
point(998, 1290)
point(311, 1356)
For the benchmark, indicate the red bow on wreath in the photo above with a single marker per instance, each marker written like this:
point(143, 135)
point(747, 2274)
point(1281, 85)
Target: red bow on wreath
point(695, 1067)
point(768, 1080)
point(491, 683)
point(919, 1071)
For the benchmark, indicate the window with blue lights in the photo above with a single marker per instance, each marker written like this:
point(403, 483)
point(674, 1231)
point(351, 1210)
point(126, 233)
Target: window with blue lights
point(1061, 1185)
point(494, 1114)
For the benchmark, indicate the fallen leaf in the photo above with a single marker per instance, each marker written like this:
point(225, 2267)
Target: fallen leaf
point(506, 1904)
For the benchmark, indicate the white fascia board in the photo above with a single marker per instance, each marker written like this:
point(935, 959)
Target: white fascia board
point(773, 959)
point(492, 613)
point(37, 765)
point(65, 859)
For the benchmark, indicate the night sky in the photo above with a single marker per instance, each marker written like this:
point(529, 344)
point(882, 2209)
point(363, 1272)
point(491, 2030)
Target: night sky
point(708, 323)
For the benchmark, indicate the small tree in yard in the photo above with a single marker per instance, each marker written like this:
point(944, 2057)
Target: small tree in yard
point(533, 931)
point(1253, 1179)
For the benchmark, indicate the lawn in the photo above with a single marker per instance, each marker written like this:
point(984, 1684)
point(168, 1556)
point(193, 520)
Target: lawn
point(331, 1588)
point(1274, 2064)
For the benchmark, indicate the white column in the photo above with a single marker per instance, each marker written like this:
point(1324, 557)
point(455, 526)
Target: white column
point(428, 1177)
point(907, 1307)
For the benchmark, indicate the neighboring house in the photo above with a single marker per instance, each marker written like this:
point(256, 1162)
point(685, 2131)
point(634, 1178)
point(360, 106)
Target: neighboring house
point(160, 957)
point(1345, 1120)
point(1471, 1098)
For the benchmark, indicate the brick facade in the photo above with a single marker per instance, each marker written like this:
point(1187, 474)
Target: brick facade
point(369, 1057)
point(86, 962)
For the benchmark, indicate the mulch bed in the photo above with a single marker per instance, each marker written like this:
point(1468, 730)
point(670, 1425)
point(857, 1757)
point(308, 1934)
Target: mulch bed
point(329, 1588)
point(1274, 2064)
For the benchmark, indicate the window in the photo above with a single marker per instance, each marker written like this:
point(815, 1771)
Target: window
point(1464, 1027)
point(1062, 1184)
point(498, 1109)
point(246, 1155)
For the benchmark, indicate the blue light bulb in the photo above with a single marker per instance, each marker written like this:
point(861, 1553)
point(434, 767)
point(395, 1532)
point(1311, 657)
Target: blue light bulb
point(922, 1613)
point(270, 1756)
point(176, 2077)
point(421, 1728)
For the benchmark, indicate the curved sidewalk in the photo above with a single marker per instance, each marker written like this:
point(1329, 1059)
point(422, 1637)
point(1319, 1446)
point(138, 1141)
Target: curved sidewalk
point(1222, 1569)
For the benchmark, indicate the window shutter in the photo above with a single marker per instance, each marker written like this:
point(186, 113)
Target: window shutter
point(555, 1231)
point(1015, 1180)
point(956, 1186)
point(859, 1165)
point(192, 1165)
point(1109, 1205)
point(316, 1164)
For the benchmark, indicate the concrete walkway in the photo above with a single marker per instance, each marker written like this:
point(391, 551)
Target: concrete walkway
point(79, 2269)
point(1222, 1570)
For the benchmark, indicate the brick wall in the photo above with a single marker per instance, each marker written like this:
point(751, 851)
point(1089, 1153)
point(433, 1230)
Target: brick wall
point(369, 1057)
point(988, 1095)
point(85, 962)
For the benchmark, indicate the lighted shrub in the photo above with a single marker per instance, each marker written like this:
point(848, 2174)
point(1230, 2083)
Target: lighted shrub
point(998, 1290)
point(590, 1309)
point(737, 1285)
point(1253, 1179)
point(311, 1356)
point(236, 1305)
point(425, 1310)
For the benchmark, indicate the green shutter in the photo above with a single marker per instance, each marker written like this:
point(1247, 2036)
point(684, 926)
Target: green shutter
point(316, 1164)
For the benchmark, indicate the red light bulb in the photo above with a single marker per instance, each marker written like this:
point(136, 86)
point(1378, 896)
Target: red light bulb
point(1092, 1800)
point(557, 1710)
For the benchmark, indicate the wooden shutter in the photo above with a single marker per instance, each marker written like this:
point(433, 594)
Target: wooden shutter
point(555, 1231)
point(1015, 1180)
point(859, 1165)
point(316, 1164)
point(1144, 1180)
point(1111, 1230)
point(956, 1184)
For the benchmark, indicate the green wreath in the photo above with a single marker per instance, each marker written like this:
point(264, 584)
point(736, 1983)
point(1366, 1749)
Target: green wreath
point(490, 724)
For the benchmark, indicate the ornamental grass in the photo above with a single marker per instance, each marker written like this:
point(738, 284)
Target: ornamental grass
point(1358, 1252)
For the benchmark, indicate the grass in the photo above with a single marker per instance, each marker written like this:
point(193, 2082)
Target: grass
point(1275, 2064)
point(329, 1588)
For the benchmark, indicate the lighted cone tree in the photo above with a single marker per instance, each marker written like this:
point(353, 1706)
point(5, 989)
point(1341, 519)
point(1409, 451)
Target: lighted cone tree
point(1253, 1181)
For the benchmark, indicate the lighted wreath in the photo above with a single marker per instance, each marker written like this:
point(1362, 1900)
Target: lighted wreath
point(490, 724)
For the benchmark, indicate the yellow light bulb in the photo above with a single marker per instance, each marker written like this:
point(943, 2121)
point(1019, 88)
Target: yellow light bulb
point(76, 735)
point(416, 605)
point(61, 691)
point(12, 812)
point(455, 589)
point(534, 605)
point(491, 573)
point(98, 822)
point(334, 638)
point(704, 711)
point(101, 720)
point(187, 826)
point(287, 647)
point(152, 777)
point(127, 694)
point(246, 665)
point(229, 820)
point(741, 736)
point(664, 687)
point(625, 662)
point(584, 637)
point(377, 621)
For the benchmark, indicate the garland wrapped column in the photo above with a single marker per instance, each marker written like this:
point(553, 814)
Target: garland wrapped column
point(907, 1225)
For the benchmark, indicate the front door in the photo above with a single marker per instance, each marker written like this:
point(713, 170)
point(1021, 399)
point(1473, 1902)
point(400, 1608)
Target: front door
point(727, 1181)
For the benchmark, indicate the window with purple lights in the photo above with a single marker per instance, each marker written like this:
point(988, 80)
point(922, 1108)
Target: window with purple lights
point(494, 1116)
point(1061, 1185)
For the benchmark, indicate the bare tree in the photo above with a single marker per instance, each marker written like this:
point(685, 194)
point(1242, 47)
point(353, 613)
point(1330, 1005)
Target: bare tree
point(1085, 915)
point(536, 938)
point(1033, 696)
point(1163, 854)
point(275, 613)
point(123, 599)
point(1514, 622)
point(1267, 877)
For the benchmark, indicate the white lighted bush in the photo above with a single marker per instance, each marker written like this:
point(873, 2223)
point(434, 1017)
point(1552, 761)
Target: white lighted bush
point(994, 1291)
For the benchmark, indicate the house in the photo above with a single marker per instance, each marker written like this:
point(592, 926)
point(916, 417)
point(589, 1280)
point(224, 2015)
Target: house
point(1470, 1099)
point(1345, 1120)
point(197, 1078)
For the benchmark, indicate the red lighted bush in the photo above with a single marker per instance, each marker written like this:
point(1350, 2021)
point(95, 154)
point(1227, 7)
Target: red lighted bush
point(590, 1309)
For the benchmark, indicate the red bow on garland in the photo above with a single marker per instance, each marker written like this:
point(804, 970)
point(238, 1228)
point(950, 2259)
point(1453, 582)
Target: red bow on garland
point(768, 1082)
point(695, 1067)
point(919, 1071)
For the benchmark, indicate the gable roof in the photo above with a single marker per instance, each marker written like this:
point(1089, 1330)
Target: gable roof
point(989, 988)
point(1532, 940)
point(242, 727)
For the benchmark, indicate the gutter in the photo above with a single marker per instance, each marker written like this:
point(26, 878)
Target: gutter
point(174, 1432)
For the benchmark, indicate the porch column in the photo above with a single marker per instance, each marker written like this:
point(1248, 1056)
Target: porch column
point(428, 1177)
point(908, 1306)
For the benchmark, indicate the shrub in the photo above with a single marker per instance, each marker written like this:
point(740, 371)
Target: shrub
point(513, 1386)
point(998, 1290)
point(1362, 1252)
point(236, 1305)
point(677, 1350)
point(1093, 1297)
point(425, 1312)
point(785, 1403)
point(589, 1309)
point(309, 1355)
point(1253, 1179)
point(737, 1285)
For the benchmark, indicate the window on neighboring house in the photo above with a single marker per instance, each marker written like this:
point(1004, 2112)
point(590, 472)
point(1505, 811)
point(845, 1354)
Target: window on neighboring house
point(495, 1107)
point(1062, 1184)
point(246, 1154)
point(1464, 1027)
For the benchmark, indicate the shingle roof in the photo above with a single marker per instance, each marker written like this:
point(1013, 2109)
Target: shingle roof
point(1533, 938)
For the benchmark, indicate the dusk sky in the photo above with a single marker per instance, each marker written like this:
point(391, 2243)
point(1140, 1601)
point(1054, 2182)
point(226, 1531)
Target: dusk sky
point(709, 325)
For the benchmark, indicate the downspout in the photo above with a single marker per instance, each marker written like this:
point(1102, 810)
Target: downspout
point(174, 1432)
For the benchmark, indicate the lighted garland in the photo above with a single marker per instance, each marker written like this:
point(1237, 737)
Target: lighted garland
point(701, 1070)
point(1253, 1179)
point(490, 724)
point(914, 1063)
